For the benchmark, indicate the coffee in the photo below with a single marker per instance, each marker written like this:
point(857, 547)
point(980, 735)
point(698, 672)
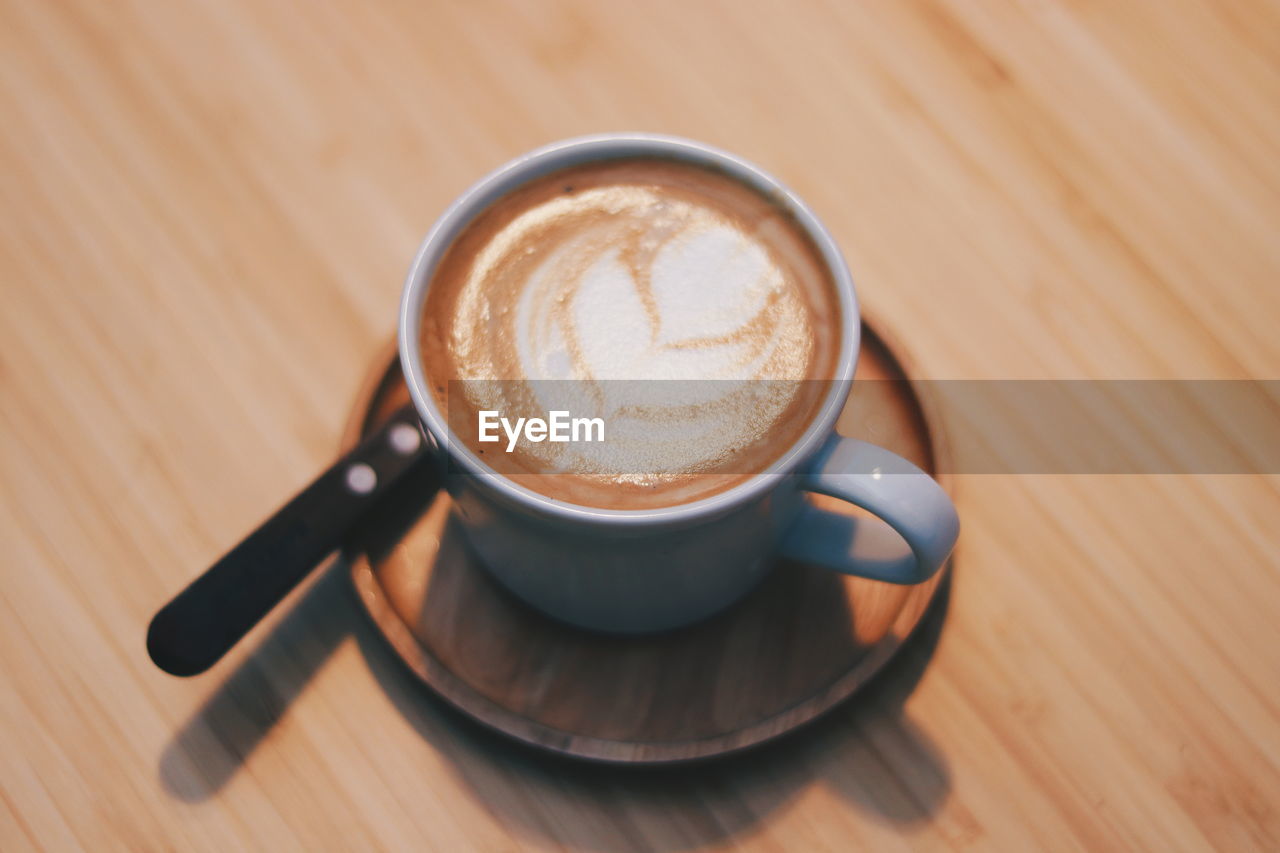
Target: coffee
point(688, 313)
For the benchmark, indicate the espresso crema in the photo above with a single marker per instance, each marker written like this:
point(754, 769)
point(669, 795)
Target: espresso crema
point(689, 313)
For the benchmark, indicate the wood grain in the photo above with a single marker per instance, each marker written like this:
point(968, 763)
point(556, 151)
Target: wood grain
point(208, 209)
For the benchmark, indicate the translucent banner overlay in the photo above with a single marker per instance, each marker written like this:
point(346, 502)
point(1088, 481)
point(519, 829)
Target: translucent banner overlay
point(659, 427)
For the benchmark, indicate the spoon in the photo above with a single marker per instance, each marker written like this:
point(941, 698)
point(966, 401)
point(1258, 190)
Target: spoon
point(194, 630)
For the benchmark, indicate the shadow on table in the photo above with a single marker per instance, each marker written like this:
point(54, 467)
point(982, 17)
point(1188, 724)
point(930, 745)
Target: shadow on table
point(213, 744)
point(867, 750)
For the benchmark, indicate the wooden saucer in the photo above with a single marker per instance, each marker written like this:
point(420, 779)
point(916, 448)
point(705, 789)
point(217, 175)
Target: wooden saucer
point(802, 642)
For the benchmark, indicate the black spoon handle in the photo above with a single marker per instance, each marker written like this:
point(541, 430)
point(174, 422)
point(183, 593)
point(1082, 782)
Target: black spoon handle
point(196, 628)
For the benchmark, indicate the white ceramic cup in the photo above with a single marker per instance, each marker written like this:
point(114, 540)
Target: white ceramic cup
point(632, 571)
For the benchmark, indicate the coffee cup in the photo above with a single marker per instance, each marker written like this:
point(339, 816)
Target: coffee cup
point(634, 569)
point(627, 256)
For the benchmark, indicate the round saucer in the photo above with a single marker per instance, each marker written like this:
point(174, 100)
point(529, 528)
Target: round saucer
point(802, 642)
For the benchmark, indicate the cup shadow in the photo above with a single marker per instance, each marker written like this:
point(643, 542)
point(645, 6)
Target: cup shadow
point(866, 750)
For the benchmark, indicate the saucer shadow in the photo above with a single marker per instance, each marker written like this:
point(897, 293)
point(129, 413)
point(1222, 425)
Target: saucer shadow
point(866, 750)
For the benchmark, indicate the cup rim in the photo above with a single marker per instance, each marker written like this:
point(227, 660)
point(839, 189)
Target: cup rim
point(608, 146)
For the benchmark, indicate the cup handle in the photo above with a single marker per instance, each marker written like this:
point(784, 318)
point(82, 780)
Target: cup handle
point(907, 543)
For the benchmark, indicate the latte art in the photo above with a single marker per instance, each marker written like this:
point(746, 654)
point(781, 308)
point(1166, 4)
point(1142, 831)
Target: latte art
point(622, 283)
point(683, 308)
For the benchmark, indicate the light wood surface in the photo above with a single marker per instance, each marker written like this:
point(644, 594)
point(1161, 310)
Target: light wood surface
point(207, 212)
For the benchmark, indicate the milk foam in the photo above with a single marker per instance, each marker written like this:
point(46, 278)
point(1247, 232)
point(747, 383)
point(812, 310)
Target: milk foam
point(694, 306)
point(680, 321)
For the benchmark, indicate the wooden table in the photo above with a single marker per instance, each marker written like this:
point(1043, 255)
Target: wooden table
point(208, 209)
